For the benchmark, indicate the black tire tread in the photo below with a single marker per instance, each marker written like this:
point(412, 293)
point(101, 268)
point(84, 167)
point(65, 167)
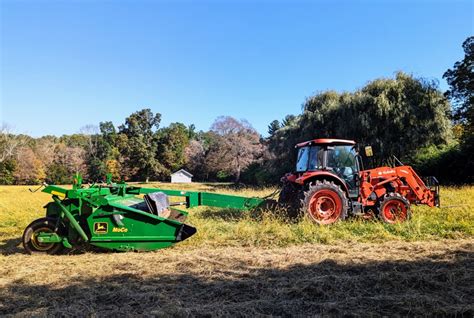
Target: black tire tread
point(50, 222)
point(330, 185)
point(394, 196)
point(290, 199)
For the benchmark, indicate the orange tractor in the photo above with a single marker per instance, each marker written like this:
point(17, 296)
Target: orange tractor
point(330, 184)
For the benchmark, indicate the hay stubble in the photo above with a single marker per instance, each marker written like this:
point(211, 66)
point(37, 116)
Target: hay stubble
point(252, 265)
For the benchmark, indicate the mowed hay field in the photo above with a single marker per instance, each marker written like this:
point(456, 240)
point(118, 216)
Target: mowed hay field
point(252, 263)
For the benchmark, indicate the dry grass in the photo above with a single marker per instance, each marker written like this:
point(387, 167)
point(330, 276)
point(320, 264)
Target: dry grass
point(363, 279)
point(224, 227)
point(252, 264)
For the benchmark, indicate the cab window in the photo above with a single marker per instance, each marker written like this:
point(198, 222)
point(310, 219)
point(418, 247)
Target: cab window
point(342, 159)
point(302, 161)
point(316, 158)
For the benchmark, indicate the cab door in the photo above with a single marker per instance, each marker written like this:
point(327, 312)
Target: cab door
point(342, 161)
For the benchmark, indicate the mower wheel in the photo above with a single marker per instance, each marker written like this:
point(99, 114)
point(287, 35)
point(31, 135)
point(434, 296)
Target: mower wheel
point(394, 208)
point(325, 203)
point(30, 242)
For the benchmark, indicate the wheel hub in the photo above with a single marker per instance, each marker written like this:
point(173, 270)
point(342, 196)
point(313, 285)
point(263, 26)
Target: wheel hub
point(395, 211)
point(38, 245)
point(325, 207)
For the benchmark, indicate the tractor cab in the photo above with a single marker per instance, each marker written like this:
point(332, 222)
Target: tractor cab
point(329, 156)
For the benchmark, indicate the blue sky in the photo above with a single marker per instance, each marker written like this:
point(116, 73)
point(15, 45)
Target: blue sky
point(66, 64)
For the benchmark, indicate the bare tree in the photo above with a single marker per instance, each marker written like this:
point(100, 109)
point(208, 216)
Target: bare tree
point(239, 145)
point(9, 143)
point(91, 133)
point(29, 169)
point(45, 150)
point(194, 154)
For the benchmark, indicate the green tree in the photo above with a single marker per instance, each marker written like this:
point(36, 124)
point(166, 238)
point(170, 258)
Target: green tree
point(7, 169)
point(461, 81)
point(141, 144)
point(273, 127)
point(108, 151)
point(173, 141)
point(396, 116)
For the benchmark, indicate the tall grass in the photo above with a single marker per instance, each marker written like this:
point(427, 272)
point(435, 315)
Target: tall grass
point(224, 227)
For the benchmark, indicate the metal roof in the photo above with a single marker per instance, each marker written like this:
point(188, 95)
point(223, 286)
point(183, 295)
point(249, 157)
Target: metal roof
point(183, 172)
point(326, 141)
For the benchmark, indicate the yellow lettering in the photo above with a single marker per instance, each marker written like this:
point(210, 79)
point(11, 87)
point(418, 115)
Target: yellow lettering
point(120, 230)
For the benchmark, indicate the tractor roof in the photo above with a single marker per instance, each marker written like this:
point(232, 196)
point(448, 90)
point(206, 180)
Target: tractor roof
point(326, 141)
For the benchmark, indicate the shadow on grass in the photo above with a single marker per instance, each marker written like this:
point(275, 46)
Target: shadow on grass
point(14, 246)
point(11, 246)
point(438, 286)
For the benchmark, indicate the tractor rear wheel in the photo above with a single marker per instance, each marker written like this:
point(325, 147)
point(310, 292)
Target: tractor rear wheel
point(394, 208)
point(290, 199)
point(30, 241)
point(325, 203)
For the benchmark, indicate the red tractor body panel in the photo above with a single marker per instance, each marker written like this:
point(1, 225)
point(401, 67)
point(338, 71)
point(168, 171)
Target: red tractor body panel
point(305, 177)
point(401, 179)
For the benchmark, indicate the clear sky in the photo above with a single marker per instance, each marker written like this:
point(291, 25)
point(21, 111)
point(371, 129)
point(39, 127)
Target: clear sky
point(66, 64)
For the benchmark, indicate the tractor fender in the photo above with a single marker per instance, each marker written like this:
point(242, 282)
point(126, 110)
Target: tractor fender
point(320, 175)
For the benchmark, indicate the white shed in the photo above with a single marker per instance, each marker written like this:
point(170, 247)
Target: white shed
point(181, 176)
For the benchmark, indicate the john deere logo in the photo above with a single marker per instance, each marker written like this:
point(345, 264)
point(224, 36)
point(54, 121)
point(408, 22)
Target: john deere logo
point(100, 227)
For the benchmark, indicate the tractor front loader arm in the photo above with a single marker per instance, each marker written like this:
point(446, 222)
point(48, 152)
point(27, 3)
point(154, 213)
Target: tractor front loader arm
point(424, 195)
point(406, 182)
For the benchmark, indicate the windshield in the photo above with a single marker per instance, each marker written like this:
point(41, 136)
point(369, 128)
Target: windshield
point(343, 160)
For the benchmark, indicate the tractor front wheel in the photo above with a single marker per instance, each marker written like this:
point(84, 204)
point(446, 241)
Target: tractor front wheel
point(30, 237)
point(325, 203)
point(394, 208)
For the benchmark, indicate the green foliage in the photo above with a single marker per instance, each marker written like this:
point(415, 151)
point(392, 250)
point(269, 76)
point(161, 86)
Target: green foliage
point(223, 176)
point(58, 174)
point(74, 140)
point(172, 142)
point(96, 169)
point(273, 127)
point(395, 116)
point(141, 144)
point(258, 174)
point(7, 169)
point(461, 81)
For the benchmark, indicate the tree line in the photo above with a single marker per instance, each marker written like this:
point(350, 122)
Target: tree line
point(137, 150)
point(403, 116)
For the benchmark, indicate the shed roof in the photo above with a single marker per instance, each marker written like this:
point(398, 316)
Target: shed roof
point(183, 172)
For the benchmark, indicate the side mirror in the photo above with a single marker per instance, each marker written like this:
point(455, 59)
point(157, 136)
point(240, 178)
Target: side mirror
point(368, 151)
